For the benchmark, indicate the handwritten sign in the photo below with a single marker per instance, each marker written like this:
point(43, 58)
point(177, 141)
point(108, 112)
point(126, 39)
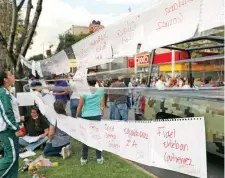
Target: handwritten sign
point(93, 50)
point(125, 35)
point(135, 142)
point(112, 136)
point(83, 130)
point(95, 135)
point(69, 125)
point(169, 22)
point(211, 15)
point(180, 146)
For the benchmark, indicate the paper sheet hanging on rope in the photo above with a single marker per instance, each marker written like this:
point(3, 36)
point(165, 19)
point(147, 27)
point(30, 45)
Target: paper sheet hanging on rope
point(25, 99)
point(68, 124)
point(169, 22)
point(57, 64)
point(135, 142)
point(80, 82)
point(211, 15)
point(125, 35)
point(95, 135)
point(180, 146)
point(112, 136)
point(93, 50)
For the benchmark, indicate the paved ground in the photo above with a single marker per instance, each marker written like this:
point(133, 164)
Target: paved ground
point(215, 165)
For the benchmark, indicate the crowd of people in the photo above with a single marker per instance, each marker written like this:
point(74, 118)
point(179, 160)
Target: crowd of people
point(118, 95)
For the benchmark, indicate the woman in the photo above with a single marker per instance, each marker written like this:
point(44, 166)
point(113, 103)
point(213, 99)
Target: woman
point(92, 107)
point(59, 142)
point(8, 129)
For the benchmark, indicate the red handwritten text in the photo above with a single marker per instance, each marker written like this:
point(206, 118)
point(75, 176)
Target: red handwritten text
point(177, 5)
point(175, 145)
point(170, 22)
point(127, 33)
point(176, 159)
point(136, 133)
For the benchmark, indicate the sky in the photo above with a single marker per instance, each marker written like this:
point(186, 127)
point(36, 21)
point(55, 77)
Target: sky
point(59, 15)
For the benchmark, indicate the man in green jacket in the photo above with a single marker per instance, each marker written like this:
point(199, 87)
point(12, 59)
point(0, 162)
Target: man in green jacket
point(8, 129)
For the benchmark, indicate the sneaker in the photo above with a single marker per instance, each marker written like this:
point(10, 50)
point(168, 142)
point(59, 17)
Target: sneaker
point(64, 153)
point(83, 161)
point(100, 161)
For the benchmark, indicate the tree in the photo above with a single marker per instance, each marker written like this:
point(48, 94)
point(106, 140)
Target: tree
point(38, 57)
point(67, 40)
point(18, 45)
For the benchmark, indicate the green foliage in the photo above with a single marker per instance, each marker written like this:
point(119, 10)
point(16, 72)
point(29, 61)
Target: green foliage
point(38, 57)
point(67, 40)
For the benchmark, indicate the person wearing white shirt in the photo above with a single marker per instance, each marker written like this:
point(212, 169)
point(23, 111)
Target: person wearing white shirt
point(160, 84)
point(74, 98)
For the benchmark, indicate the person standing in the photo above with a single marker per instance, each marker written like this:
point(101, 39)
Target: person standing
point(9, 129)
point(140, 101)
point(160, 84)
point(119, 100)
point(59, 94)
point(92, 107)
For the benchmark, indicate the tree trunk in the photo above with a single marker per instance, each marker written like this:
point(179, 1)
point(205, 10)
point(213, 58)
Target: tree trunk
point(26, 25)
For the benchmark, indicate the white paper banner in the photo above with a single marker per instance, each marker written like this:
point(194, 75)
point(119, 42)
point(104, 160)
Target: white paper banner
point(179, 146)
point(169, 22)
point(93, 50)
point(33, 68)
point(83, 130)
point(49, 100)
point(95, 135)
point(134, 143)
point(211, 15)
point(25, 99)
point(112, 131)
point(125, 35)
point(80, 82)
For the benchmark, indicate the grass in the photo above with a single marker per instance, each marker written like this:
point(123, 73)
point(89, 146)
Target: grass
point(113, 167)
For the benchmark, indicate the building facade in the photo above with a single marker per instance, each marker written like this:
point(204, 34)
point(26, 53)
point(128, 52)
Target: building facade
point(77, 30)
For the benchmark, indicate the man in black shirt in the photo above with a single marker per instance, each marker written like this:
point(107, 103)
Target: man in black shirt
point(36, 126)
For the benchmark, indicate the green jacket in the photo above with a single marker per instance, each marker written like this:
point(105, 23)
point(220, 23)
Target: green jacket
point(7, 118)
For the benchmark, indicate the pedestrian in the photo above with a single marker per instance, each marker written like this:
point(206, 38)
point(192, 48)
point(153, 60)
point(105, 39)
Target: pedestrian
point(160, 84)
point(92, 107)
point(60, 95)
point(119, 100)
point(75, 96)
point(9, 129)
point(140, 101)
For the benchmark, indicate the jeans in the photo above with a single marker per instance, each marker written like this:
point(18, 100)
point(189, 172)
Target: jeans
point(111, 112)
point(118, 111)
point(85, 153)
point(32, 146)
point(73, 106)
point(49, 150)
